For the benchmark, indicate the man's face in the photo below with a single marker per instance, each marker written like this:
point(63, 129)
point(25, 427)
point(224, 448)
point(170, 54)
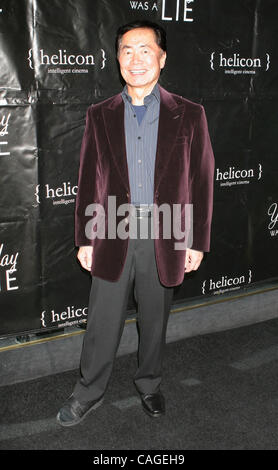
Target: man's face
point(140, 58)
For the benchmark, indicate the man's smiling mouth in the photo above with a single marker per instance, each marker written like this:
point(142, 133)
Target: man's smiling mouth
point(137, 72)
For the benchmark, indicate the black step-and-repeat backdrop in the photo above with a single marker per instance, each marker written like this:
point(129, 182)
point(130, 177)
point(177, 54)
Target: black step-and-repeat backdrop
point(56, 58)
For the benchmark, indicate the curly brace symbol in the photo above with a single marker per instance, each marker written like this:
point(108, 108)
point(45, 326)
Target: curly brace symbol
point(267, 62)
point(37, 193)
point(42, 319)
point(250, 276)
point(203, 287)
point(260, 171)
point(103, 59)
point(211, 61)
point(30, 59)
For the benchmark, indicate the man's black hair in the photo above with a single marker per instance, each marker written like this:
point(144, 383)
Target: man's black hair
point(160, 32)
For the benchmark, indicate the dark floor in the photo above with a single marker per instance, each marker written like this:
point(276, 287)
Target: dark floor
point(221, 392)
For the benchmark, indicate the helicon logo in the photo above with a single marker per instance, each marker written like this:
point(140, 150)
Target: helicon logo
point(65, 190)
point(225, 283)
point(237, 176)
point(62, 57)
point(70, 316)
point(235, 64)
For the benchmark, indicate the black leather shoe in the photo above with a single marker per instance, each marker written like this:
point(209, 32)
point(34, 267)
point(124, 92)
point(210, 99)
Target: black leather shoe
point(153, 404)
point(73, 412)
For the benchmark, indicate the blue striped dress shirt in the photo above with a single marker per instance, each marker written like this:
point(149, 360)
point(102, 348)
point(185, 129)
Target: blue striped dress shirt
point(141, 144)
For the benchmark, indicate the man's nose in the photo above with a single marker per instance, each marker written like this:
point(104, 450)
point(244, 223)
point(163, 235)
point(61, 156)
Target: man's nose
point(136, 58)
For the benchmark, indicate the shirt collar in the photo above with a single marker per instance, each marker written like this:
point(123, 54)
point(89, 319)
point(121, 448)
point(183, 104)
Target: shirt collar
point(155, 94)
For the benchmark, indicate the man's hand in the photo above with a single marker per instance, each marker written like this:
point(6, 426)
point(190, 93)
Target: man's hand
point(193, 260)
point(84, 256)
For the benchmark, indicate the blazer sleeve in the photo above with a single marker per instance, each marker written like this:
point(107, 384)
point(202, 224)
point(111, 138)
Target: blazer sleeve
point(86, 181)
point(202, 182)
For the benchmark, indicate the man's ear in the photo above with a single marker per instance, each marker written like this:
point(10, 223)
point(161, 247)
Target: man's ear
point(163, 59)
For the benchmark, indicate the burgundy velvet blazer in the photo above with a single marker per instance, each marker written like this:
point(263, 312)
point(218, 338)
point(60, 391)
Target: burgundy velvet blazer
point(184, 169)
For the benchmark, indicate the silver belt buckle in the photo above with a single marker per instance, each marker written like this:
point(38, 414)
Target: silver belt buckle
point(142, 211)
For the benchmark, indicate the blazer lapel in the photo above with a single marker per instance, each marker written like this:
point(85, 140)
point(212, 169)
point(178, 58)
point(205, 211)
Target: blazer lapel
point(113, 115)
point(170, 120)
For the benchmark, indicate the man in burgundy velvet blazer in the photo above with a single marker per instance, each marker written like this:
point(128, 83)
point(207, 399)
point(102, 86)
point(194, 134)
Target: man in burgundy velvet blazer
point(183, 175)
point(183, 167)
